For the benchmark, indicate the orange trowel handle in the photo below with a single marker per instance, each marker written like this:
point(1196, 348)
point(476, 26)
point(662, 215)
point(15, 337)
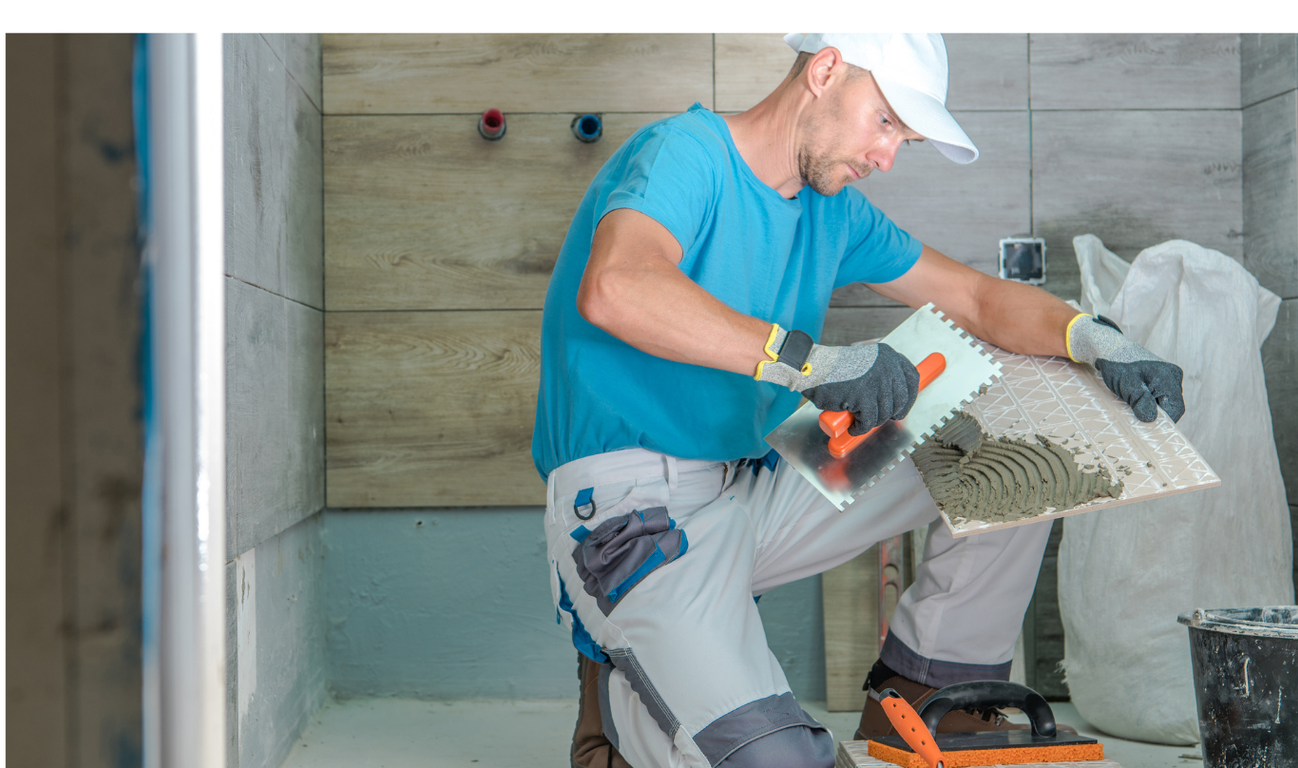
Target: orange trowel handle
point(912, 729)
point(835, 423)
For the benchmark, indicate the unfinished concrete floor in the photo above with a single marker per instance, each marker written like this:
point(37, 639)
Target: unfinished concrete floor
point(401, 733)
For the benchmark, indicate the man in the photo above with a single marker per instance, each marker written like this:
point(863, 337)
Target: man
point(678, 331)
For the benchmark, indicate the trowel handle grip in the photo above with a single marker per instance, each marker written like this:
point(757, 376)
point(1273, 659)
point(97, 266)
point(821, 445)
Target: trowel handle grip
point(911, 728)
point(835, 423)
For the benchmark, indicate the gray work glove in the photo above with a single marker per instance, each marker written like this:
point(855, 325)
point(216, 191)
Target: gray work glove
point(872, 381)
point(1135, 374)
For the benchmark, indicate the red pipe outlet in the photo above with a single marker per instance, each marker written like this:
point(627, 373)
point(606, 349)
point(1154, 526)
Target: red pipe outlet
point(492, 125)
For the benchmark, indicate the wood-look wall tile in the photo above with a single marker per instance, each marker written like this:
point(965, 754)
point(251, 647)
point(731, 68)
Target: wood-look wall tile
point(469, 73)
point(273, 157)
point(1271, 193)
point(425, 214)
point(1134, 179)
point(300, 54)
point(1089, 71)
point(987, 72)
point(749, 66)
point(431, 409)
point(1280, 361)
point(961, 210)
point(1268, 66)
point(274, 414)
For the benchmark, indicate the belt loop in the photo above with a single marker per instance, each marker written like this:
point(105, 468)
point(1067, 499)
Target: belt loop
point(670, 461)
point(549, 498)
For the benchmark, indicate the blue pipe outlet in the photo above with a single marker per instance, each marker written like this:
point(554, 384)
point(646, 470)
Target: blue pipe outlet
point(587, 128)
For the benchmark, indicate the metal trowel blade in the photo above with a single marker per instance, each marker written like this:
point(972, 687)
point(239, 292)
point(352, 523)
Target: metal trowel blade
point(969, 370)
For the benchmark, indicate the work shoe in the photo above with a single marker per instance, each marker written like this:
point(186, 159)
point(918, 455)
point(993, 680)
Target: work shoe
point(590, 749)
point(875, 723)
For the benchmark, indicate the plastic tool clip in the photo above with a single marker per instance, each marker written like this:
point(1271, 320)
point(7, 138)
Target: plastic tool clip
point(836, 423)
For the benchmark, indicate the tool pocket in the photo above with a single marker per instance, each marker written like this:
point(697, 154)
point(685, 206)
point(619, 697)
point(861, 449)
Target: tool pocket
point(621, 551)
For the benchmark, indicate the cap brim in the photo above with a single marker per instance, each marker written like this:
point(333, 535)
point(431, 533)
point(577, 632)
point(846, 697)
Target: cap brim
point(928, 117)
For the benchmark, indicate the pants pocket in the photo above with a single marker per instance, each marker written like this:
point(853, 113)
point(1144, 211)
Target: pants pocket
point(623, 550)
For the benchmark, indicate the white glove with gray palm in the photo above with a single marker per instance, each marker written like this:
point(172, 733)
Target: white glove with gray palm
point(872, 381)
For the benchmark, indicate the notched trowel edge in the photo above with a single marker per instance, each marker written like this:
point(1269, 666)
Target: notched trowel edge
point(969, 371)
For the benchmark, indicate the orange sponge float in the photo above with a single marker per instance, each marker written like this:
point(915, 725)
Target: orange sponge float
point(988, 754)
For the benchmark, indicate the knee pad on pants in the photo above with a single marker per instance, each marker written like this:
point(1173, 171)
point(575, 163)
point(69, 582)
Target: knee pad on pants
point(799, 745)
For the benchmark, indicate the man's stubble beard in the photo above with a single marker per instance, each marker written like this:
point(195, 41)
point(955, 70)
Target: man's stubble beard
point(818, 172)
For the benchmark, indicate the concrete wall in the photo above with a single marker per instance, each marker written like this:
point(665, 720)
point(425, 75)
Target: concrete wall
point(73, 457)
point(1269, 95)
point(275, 393)
point(455, 603)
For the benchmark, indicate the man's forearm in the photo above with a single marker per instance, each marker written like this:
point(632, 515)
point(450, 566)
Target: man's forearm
point(634, 293)
point(1020, 318)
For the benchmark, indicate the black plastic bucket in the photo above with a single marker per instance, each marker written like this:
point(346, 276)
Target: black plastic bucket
point(1246, 685)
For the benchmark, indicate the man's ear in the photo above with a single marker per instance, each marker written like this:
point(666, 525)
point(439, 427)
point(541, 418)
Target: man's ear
point(824, 69)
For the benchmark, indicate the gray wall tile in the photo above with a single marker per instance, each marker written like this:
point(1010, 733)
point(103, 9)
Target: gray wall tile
point(1268, 66)
point(274, 162)
point(287, 677)
point(961, 210)
point(1135, 71)
point(300, 55)
point(1271, 193)
point(1135, 179)
point(987, 71)
point(274, 413)
point(1280, 361)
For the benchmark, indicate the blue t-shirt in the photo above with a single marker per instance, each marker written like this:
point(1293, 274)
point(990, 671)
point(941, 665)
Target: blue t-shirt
point(759, 253)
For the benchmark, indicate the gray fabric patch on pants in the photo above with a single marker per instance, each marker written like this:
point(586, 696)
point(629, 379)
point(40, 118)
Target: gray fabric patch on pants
point(622, 550)
point(773, 731)
point(606, 714)
point(625, 660)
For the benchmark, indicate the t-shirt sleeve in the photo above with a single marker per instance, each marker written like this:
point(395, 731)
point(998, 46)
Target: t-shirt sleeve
point(878, 250)
point(670, 177)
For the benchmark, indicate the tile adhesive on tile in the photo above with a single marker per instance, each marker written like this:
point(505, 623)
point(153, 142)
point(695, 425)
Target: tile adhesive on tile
point(973, 476)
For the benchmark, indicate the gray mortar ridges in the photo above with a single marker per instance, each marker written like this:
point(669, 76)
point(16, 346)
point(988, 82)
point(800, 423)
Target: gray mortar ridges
point(973, 476)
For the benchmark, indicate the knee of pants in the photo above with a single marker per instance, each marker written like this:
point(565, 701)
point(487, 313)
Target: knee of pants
point(798, 745)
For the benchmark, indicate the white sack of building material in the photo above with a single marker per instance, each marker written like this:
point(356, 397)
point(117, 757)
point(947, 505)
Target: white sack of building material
point(1126, 573)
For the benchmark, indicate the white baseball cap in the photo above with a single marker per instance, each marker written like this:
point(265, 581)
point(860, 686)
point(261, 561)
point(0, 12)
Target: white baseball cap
point(911, 70)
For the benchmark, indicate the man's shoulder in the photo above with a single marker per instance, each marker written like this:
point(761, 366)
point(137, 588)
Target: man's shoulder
point(692, 131)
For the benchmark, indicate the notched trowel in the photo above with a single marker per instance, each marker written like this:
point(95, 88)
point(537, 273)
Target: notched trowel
point(803, 442)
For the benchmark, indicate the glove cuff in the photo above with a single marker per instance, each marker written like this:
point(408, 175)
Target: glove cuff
point(774, 343)
point(789, 352)
point(1068, 337)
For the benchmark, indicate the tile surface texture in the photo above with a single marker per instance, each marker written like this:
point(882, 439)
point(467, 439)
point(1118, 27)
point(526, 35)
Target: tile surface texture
point(1268, 66)
point(274, 414)
point(1134, 178)
point(274, 393)
point(1068, 403)
point(425, 214)
point(960, 210)
point(468, 73)
point(274, 213)
point(987, 71)
point(1270, 187)
point(432, 408)
point(1280, 361)
point(275, 636)
point(1089, 71)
